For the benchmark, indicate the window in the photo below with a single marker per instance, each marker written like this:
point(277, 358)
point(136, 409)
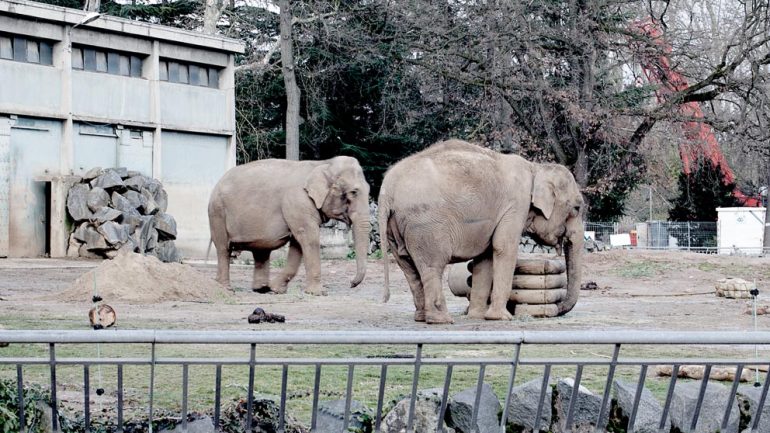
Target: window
point(189, 73)
point(24, 49)
point(111, 62)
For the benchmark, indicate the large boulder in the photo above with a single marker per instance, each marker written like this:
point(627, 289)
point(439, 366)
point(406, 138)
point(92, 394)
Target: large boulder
point(108, 180)
point(427, 406)
point(203, 424)
point(104, 214)
point(330, 416)
point(114, 233)
point(749, 396)
point(522, 406)
point(460, 411)
point(121, 203)
point(648, 412)
point(98, 198)
point(586, 410)
point(77, 202)
point(711, 412)
point(165, 225)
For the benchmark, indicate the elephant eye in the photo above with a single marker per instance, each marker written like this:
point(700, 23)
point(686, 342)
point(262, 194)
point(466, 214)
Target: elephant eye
point(353, 192)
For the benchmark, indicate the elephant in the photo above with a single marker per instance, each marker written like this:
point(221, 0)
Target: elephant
point(456, 201)
point(265, 204)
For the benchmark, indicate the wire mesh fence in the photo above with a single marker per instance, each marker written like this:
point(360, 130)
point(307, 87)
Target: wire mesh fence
point(699, 236)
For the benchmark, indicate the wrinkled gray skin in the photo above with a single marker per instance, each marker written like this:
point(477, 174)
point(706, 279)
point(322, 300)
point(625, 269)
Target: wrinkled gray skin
point(455, 201)
point(262, 205)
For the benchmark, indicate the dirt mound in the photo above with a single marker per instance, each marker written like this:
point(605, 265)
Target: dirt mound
point(136, 278)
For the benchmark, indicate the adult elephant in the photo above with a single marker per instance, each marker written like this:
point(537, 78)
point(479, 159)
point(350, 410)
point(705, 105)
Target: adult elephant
point(262, 205)
point(456, 201)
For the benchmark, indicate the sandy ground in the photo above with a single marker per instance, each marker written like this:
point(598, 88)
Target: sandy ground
point(637, 289)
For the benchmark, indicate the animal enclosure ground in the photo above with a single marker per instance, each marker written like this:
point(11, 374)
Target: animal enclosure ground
point(636, 290)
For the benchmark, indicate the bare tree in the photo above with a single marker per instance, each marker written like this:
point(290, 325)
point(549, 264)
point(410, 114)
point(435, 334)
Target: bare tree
point(212, 13)
point(92, 5)
point(290, 81)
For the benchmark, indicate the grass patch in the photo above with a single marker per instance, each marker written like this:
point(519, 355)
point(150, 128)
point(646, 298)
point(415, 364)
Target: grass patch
point(645, 269)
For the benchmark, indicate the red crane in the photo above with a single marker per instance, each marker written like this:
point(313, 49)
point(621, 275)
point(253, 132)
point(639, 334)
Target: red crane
point(700, 138)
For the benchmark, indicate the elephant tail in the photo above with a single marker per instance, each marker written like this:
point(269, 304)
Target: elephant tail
point(384, 214)
point(208, 250)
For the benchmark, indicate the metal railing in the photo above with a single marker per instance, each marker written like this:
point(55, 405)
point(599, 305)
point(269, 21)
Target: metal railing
point(517, 341)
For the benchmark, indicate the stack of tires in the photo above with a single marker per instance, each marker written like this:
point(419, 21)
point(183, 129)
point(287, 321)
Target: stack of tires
point(538, 285)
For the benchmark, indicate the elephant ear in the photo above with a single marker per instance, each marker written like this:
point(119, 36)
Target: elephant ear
point(317, 185)
point(543, 194)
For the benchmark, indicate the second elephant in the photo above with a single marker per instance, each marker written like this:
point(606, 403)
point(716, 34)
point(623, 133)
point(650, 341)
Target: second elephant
point(263, 205)
point(456, 201)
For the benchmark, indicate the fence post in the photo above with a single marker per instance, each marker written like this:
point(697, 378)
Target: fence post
point(688, 236)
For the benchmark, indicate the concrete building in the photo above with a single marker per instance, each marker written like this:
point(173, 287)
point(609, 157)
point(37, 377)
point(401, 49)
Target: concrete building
point(79, 91)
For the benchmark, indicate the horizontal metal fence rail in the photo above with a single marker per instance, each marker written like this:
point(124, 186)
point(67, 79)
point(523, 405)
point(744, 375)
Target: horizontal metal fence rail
point(516, 341)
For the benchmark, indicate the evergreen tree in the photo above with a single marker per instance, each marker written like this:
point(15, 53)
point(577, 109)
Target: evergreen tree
point(701, 193)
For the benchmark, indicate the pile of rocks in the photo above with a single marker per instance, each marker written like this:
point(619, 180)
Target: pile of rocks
point(115, 209)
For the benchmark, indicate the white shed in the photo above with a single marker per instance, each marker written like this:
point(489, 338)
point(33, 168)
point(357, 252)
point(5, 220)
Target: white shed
point(740, 230)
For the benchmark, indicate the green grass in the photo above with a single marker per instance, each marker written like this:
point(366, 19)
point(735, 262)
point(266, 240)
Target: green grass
point(645, 269)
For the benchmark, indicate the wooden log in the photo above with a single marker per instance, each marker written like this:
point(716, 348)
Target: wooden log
point(543, 310)
point(534, 266)
point(697, 372)
point(538, 297)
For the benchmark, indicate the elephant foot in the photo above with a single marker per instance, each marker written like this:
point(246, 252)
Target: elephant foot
point(438, 318)
point(476, 313)
point(262, 289)
point(316, 290)
point(498, 315)
point(419, 316)
point(279, 288)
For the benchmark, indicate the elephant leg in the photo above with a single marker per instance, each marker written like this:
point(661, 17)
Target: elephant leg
point(308, 237)
point(413, 278)
point(223, 265)
point(435, 304)
point(481, 286)
point(505, 249)
point(293, 259)
point(259, 282)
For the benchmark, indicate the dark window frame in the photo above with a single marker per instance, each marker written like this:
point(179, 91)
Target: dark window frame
point(24, 49)
point(171, 72)
point(116, 63)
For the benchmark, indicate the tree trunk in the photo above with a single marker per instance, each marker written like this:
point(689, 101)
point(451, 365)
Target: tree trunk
point(211, 16)
point(92, 5)
point(290, 82)
point(766, 240)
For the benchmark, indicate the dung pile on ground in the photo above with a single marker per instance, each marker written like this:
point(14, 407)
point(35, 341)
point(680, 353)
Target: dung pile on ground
point(115, 209)
point(135, 278)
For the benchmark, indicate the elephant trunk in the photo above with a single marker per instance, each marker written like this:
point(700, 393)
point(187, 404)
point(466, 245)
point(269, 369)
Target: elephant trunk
point(573, 252)
point(361, 229)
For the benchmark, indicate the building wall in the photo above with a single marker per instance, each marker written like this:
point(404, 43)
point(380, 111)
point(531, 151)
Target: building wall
point(34, 152)
point(58, 120)
point(100, 95)
point(192, 164)
point(36, 89)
